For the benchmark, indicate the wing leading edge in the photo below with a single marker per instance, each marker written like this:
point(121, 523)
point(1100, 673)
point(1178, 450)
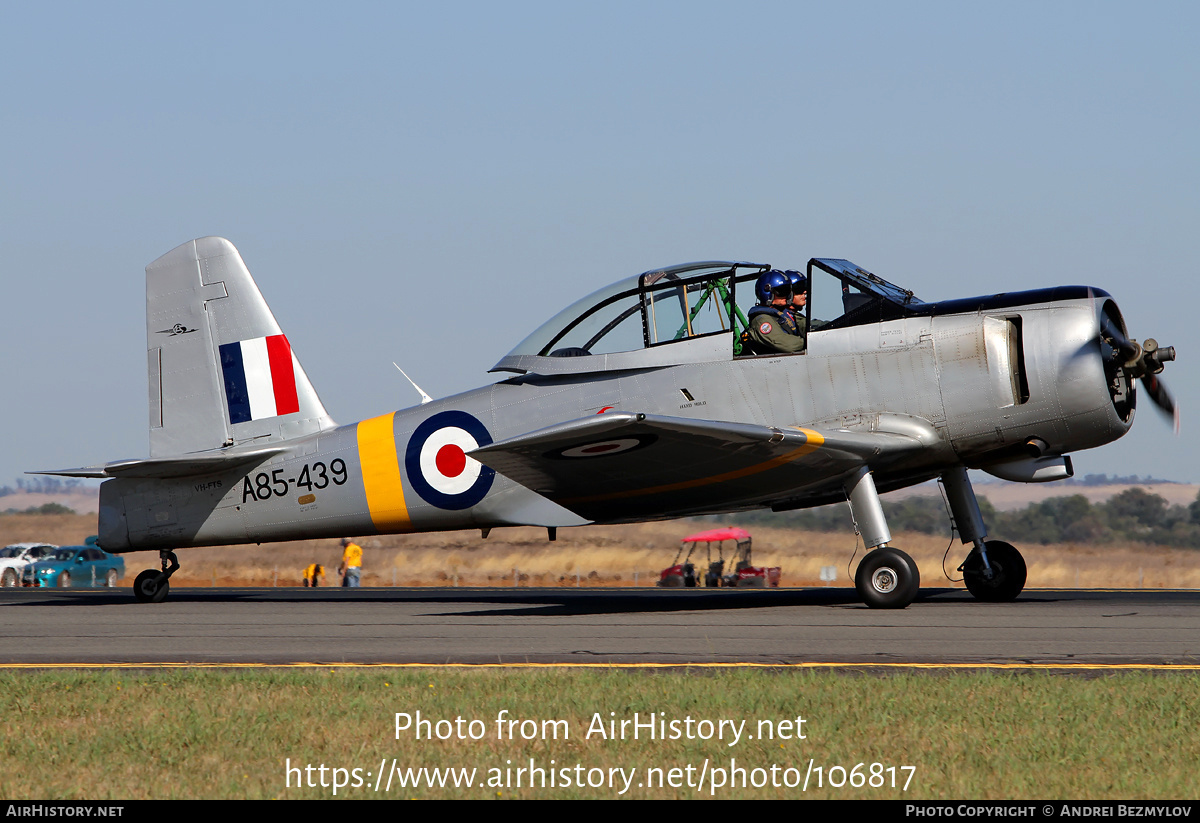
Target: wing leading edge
point(624, 466)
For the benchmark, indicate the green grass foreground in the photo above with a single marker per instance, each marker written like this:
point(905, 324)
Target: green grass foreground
point(159, 734)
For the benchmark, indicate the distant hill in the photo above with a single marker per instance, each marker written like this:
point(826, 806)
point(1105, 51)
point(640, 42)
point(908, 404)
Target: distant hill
point(80, 500)
point(1007, 496)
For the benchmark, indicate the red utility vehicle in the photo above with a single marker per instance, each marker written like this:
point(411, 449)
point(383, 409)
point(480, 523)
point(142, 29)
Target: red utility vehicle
point(745, 575)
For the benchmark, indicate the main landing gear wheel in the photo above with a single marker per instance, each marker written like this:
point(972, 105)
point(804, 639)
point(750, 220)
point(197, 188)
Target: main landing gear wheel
point(887, 578)
point(1008, 573)
point(10, 579)
point(151, 587)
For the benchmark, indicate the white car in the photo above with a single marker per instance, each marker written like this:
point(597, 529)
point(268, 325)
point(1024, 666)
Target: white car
point(14, 559)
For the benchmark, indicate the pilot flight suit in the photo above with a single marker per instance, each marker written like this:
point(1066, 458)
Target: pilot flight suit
point(775, 330)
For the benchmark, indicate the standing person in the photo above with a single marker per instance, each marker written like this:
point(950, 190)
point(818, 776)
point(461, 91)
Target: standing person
point(351, 567)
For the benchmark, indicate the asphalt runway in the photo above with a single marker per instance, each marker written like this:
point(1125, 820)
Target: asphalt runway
point(538, 625)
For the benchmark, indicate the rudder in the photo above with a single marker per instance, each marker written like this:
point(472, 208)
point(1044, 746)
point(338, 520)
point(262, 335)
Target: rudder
point(221, 371)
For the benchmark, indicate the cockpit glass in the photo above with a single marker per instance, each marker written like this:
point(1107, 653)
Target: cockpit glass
point(584, 318)
point(851, 296)
point(615, 325)
point(661, 306)
point(825, 300)
point(677, 308)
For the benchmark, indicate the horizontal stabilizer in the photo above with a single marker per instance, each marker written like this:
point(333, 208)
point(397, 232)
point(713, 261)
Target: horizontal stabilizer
point(158, 467)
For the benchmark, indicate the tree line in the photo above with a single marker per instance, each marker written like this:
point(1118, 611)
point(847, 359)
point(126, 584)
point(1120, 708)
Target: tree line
point(1134, 515)
point(45, 508)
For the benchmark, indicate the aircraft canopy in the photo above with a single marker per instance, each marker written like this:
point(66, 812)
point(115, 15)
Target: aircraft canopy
point(625, 324)
point(691, 313)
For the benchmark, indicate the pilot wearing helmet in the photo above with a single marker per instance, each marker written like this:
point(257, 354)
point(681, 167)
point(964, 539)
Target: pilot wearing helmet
point(799, 301)
point(799, 294)
point(774, 326)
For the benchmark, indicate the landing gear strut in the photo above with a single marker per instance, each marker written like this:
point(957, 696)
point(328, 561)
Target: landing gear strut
point(151, 586)
point(994, 571)
point(887, 578)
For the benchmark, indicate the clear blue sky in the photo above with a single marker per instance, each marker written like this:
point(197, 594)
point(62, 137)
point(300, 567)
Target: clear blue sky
point(427, 182)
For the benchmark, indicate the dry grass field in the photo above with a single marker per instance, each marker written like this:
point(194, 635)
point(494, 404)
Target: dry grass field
point(1004, 496)
point(608, 556)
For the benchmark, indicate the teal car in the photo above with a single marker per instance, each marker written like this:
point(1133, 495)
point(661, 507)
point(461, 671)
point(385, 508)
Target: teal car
point(76, 567)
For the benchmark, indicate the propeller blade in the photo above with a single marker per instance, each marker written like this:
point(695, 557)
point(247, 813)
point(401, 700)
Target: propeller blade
point(1118, 339)
point(1162, 398)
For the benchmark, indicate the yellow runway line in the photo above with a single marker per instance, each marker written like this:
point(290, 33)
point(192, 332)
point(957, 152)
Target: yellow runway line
point(1062, 667)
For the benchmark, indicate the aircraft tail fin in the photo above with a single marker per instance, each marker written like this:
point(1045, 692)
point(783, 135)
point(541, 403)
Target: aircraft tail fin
point(221, 370)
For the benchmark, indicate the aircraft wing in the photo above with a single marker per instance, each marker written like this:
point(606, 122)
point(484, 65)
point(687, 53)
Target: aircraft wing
point(623, 466)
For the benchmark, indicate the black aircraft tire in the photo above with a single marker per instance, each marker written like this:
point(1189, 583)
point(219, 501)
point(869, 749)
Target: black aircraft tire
point(161, 594)
point(1008, 568)
point(151, 587)
point(887, 578)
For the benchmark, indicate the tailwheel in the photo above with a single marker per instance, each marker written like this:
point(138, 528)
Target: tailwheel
point(1007, 577)
point(152, 586)
point(887, 578)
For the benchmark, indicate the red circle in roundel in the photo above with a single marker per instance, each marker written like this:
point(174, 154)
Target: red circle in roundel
point(600, 449)
point(765, 328)
point(451, 460)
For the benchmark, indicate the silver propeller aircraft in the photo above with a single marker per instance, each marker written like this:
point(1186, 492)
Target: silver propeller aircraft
point(641, 401)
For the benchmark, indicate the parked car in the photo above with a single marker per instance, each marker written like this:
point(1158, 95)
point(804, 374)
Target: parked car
point(14, 559)
point(76, 567)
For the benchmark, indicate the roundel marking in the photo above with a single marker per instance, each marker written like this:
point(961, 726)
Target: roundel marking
point(437, 463)
point(765, 328)
point(602, 448)
point(444, 463)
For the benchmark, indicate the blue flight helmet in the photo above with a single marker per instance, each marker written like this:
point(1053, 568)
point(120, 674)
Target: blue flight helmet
point(799, 281)
point(773, 283)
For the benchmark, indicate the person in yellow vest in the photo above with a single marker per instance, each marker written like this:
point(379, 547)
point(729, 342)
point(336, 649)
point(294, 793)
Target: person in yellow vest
point(313, 573)
point(351, 567)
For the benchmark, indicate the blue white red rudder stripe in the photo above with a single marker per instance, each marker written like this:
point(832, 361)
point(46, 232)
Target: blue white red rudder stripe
point(260, 378)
